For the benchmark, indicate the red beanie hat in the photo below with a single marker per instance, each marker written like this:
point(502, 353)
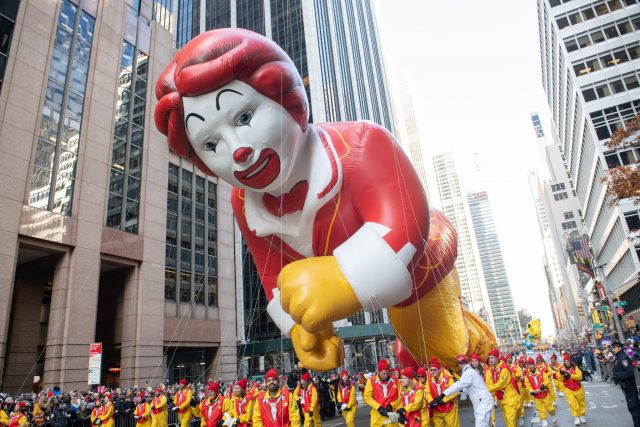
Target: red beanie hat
point(539, 357)
point(495, 353)
point(435, 363)
point(422, 372)
point(474, 356)
point(344, 372)
point(567, 357)
point(213, 386)
point(554, 357)
point(462, 358)
point(509, 356)
point(271, 373)
point(383, 365)
point(408, 372)
point(306, 376)
point(242, 383)
point(183, 381)
point(530, 361)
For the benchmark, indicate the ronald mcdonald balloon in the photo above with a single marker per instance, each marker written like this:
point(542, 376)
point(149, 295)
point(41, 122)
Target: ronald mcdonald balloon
point(333, 213)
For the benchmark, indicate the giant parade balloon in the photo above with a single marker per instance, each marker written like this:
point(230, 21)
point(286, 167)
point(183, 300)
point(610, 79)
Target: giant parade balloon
point(334, 214)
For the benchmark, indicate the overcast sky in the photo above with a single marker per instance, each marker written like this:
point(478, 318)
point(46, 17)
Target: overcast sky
point(476, 73)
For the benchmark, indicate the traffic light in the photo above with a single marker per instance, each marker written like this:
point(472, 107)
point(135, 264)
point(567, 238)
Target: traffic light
point(580, 309)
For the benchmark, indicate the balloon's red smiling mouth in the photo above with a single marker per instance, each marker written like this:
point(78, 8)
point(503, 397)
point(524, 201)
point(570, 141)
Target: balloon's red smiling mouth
point(263, 172)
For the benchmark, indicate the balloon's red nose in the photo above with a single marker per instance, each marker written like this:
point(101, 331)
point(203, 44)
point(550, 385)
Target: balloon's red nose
point(242, 154)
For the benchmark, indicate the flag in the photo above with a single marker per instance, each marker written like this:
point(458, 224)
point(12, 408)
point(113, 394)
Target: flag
point(580, 254)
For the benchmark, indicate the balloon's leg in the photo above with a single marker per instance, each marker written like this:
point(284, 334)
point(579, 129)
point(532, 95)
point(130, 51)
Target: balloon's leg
point(437, 326)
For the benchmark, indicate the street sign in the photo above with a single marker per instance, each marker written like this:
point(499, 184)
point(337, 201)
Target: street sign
point(95, 362)
point(620, 303)
point(602, 307)
point(620, 310)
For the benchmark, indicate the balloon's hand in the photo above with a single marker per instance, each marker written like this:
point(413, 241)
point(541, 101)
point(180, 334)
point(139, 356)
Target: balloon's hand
point(321, 351)
point(315, 293)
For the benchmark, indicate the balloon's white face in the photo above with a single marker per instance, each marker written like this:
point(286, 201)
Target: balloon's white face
point(245, 138)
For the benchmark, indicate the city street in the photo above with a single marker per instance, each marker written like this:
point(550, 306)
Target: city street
point(605, 407)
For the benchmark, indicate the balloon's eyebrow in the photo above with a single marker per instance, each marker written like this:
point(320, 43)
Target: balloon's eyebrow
point(186, 121)
point(220, 93)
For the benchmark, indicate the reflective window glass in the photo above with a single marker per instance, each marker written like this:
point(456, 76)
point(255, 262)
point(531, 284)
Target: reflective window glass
point(70, 137)
point(116, 183)
point(67, 163)
point(49, 124)
point(126, 60)
point(79, 76)
point(114, 210)
point(597, 36)
point(631, 82)
point(119, 153)
point(133, 188)
point(67, 16)
point(75, 103)
point(58, 69)
point(82, 52)
point(85, 28)
point(45, 152)
point(6, 29)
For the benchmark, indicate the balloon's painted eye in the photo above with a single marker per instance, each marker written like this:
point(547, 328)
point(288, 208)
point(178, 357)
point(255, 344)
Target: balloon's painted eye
point(211, 145)
point(245, 118)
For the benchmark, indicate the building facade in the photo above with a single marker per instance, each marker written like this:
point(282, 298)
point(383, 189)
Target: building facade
point(505, 319)
point(589, 56)
point(93, 249)
point(336, 48)
point(453, 201)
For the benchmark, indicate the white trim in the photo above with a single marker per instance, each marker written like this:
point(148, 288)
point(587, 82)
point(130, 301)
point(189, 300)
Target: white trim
point(378, 275)
point(283, 320)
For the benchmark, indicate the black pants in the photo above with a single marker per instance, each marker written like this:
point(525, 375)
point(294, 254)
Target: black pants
point(633, 403)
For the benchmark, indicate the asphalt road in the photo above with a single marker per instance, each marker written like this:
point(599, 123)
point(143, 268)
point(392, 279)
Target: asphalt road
point(605, 408)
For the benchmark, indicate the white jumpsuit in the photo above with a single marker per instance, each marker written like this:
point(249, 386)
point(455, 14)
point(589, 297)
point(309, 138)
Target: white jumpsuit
point(472, 383)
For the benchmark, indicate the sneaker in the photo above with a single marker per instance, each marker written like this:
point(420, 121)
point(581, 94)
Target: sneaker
point(576, 421)
point(544, 423)
point(583, 420)
point(555, 421)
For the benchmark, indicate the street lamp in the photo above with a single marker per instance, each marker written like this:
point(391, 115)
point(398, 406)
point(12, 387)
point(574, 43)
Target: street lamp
point(616, 320)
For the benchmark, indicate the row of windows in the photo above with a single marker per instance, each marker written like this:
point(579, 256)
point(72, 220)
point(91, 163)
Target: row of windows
point(623, 157)
point(250, 15)
point(603, 33)
point(607, 59)
point(53, 176)
point(188, 21)
point(163, 12)
point(191, 238)
point(555, 3)
point(612, 86)
point(606, 121)
point(569, 225)
point(557, 187)
point(568, 215)
point(218, 14)
point(560, 196)
point(591, 11)
point(327, 66)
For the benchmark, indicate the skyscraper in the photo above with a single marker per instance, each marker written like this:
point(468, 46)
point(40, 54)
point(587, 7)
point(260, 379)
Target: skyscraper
point(589, 56)
point(335, 47)
point(503, 310)
point(455, 207)
point(408, 131)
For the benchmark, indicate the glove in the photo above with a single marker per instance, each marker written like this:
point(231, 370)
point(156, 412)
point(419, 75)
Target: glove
point(175, 408)
point(532, 393)
point(389, 408)
point(347, 409)
point(433, 404)
point(383, 411)
point(543, 387)
point(401, 411)
point(401, 419)
point(219, 423)
point(567, 376)
point(98, 421)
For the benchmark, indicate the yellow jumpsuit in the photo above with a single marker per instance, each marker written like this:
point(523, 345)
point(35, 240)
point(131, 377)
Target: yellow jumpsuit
point(575, 399)
point(412, 404)
point(107, 415)
point(438, 385)
point(424, 412)
point(349, 412)
point(242, 409)
point(265, 420)
point(310, 404)
point(4, 418)
point(159, 405)
point(143, 412)
point(182, 400)
point(516, 372)
point(499, 381)
point(534, 380)
point(549, 373)
point(557, 378)
point(375, 418)
point(19, 419)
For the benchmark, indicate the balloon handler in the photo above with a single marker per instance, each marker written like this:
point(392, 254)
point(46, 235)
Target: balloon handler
point(334, 214)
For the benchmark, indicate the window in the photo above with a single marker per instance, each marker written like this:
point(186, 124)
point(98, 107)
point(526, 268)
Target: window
point(633, 220)
point(568, 215)
point(613, 85)
point(601, 33)
point(8, 13)
point(558, 187)
point(188, 25)
point(162, 12)
point(192, 237)
point(560, 196)
point(126, 163)
point(606, 121)
point(53, 177)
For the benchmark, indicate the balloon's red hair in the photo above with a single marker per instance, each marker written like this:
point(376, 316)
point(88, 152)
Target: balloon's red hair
point(214, 59)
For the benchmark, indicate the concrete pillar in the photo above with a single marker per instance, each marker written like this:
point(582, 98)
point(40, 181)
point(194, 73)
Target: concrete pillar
point(22, 351)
